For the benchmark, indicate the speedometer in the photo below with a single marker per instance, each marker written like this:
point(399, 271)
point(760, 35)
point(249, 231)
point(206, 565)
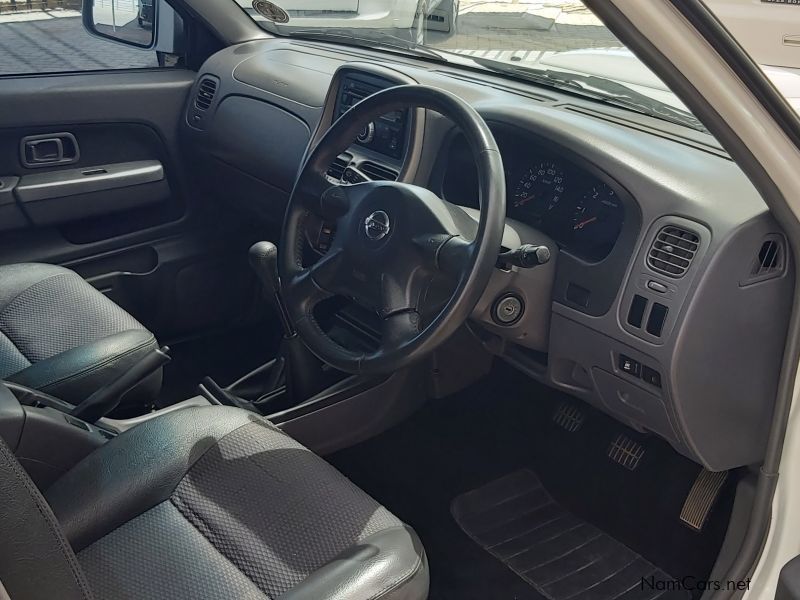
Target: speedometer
point(540, 189)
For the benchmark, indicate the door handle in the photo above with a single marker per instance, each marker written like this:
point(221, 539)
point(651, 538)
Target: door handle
point(48, 150)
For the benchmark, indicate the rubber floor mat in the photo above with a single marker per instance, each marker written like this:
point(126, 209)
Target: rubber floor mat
point(560, 555)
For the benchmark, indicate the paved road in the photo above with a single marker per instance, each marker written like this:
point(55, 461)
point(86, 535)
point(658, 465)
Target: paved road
point(52, 44)
point(55, 41)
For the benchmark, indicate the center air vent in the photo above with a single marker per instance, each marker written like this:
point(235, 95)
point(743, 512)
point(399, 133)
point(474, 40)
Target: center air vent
point(378, 172)
point(339, 164)
point(673, 250)
point(206, 90)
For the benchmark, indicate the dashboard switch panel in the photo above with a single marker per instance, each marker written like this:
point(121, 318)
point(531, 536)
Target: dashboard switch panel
point(651, 376)
point(629, 366)
point(636, 312)
point(655, 322)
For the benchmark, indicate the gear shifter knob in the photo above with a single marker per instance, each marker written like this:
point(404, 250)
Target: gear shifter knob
point(264, 260)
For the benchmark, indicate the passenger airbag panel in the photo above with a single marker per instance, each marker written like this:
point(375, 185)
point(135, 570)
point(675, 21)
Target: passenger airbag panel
point(261, 139)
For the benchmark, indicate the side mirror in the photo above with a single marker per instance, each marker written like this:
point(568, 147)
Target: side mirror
point(145, 24)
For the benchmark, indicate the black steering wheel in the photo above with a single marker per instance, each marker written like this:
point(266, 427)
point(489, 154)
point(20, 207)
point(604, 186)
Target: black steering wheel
point(392, 239)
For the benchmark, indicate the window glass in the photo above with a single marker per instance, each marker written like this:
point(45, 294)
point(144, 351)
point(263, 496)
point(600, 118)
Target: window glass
point(47, 36)
point(556, 43)
point(769, 30)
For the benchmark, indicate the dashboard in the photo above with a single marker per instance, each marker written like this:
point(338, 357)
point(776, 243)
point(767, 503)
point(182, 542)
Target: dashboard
point(667, 299)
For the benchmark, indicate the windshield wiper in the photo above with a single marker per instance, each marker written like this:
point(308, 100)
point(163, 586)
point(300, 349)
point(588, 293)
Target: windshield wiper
point(373, 40)
point(598, 88)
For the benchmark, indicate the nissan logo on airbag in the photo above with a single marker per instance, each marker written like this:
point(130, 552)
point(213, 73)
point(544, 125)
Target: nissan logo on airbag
point(377, 225)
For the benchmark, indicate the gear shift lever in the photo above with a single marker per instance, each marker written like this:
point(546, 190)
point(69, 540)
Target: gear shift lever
point(295, 366)
point(264, 260)
point(301, 369)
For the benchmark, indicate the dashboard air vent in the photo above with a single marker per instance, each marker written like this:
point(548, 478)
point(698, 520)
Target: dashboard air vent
point(339, 164)
point(378, 172)
point(769, 262)
point(673, 250)
point(206, 91)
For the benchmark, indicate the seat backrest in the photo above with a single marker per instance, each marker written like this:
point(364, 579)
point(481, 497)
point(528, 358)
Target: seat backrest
point(36, 561)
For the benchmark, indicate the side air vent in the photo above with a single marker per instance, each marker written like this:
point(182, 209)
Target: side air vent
point(769, 262)
point(339, 164)
point(378, 172)
point(673, 250)
point(206, 91)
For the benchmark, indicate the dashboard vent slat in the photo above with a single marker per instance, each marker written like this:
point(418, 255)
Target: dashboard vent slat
point(378, 172)
point(769, 262)
point(769, 258)
point(206, 90)
point(672, 251)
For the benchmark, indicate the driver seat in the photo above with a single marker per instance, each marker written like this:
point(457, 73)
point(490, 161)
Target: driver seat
point(202, 503)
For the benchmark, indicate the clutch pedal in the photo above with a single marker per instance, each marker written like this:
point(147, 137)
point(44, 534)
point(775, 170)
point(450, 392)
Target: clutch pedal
point(702, 497)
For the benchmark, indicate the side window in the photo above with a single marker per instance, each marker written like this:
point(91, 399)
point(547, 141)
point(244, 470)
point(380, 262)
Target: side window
point(47, 36)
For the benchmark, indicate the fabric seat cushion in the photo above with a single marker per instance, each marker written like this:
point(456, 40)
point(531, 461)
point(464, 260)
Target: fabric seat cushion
point(262, 516)
point(60, 335)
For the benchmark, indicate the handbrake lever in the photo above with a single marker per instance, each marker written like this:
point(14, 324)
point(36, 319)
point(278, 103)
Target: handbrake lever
point(108, 397)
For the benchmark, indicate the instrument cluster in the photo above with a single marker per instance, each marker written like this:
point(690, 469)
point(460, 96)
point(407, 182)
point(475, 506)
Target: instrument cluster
point(569, 203)
point(582, 213)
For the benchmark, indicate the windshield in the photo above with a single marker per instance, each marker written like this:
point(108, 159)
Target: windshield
point(556, 43)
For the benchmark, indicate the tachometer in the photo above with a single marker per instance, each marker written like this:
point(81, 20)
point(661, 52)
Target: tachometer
point(596, 221)
point(540, 189)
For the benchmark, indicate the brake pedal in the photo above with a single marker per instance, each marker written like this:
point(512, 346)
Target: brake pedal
point(569, 417)
point(702, 497)
point(626, 452)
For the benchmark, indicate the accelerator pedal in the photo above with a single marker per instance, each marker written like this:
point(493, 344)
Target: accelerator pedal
point(702, 497)
point(626, 452)
point(569, 417)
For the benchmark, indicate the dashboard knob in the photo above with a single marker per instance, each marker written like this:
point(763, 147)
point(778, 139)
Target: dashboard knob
point(368, 134)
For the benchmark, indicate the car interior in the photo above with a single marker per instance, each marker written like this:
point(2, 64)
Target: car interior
point(308, 320)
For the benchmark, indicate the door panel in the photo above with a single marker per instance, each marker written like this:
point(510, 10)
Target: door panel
point(108, 147)
point(120, 207)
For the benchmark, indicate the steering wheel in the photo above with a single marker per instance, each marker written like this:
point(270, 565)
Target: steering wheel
point(392, 239)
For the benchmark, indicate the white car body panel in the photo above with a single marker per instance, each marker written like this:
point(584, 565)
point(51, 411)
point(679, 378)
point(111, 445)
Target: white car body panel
point(368, 14)
point(621, 65)
point(769, 31)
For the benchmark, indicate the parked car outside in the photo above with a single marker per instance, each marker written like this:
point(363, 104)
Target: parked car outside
point(411, 19)
point(146, 13)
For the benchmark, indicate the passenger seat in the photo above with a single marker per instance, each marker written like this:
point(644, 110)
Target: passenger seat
point(61, 336)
